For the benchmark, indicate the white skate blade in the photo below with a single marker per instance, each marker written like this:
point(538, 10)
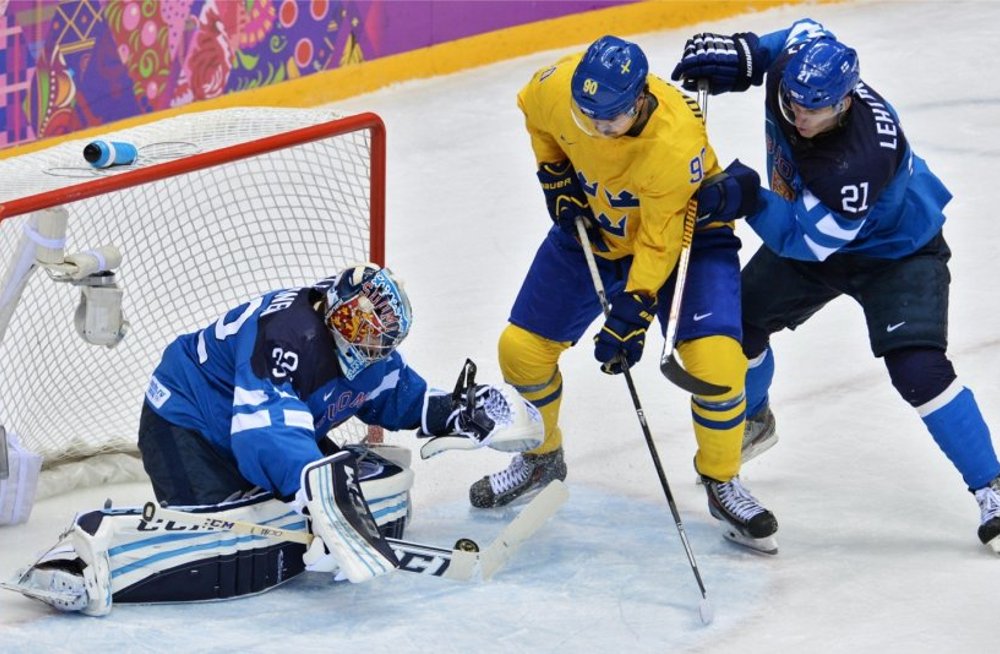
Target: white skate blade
point(767, 545)
point(994, 545)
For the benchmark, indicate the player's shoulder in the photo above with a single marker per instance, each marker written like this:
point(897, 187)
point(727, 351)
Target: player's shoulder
point(675, 100)
point(676, 130)
point(869, 148)
point(549, 85)
point(289, 316)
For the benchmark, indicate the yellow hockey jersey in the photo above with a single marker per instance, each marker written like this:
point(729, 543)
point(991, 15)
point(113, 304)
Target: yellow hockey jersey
point(638, 187)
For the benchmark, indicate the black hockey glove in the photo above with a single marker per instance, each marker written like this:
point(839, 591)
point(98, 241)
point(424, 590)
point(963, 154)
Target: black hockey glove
point(729, 63)
point(729, 195)
point(566, 200)
point(624, 333)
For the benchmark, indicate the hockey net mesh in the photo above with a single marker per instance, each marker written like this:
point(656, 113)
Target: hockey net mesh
point(194, 245)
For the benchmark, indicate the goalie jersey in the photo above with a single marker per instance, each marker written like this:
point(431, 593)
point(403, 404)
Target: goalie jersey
point(638, 187)
point(263, 384)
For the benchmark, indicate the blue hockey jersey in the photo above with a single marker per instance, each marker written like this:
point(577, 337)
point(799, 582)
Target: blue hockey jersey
point(263, 384)
point(858, 189)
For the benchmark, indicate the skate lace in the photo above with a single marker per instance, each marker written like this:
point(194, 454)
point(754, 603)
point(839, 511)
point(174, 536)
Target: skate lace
point(738, 500)
point(497, 408)
point(511, 477)
point(989, 503)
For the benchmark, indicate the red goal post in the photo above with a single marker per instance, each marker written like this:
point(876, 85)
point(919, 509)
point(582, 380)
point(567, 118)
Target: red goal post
point(219, 206)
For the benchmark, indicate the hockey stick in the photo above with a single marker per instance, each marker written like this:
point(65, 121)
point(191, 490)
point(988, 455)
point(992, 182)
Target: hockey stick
point(669, 365)
point(704, 608)
point(458, 563)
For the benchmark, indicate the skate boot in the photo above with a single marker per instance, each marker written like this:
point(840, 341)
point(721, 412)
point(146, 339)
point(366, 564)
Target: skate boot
point(524, 477)
point(989, 508)
point(744, 520)
point(759, 434)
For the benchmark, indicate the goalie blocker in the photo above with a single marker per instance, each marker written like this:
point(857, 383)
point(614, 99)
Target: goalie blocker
point(115, 556)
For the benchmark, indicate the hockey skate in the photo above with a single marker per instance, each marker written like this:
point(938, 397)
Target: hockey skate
point(759, 434)
point(526, 475)
point(744, 520)
point(989, 507)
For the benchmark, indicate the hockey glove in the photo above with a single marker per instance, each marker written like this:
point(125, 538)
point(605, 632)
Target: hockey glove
point(729, 195)
point(624, 333)
point(475, 415)
point(729, 63)
point(566, 200)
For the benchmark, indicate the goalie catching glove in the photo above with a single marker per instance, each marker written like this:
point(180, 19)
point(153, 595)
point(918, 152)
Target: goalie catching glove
point(475, 415)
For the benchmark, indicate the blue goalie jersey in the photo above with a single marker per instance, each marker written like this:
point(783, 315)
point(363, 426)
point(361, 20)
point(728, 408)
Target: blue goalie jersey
point(263, 385)
point(858, 189)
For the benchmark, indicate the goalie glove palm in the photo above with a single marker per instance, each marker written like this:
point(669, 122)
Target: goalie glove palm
point(493, 416)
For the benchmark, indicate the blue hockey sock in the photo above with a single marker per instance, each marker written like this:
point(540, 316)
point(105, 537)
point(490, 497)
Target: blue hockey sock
point(958, 428)
point(760, 372)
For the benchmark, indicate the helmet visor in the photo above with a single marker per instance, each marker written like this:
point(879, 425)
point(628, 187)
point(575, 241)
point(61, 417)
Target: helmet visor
point(808, 120)
point(607, 128)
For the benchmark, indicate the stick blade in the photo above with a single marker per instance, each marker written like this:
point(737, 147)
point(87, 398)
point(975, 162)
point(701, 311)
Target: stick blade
point(681, 378)
point(542, 507)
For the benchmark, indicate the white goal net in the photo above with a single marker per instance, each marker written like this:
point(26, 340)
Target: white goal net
point(220, 206)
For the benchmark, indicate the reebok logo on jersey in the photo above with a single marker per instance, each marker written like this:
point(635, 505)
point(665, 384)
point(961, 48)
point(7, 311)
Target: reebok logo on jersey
point(698, 317)
point(892, 328)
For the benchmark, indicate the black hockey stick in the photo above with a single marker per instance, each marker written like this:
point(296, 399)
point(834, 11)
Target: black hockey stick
point(704, 608)
point(669, 365)
point(458, 563)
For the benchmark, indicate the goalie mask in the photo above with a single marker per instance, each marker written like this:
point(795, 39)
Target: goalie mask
point(368, 315)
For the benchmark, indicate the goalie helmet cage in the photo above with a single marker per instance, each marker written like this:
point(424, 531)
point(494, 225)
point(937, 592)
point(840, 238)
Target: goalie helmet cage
point(219, 207)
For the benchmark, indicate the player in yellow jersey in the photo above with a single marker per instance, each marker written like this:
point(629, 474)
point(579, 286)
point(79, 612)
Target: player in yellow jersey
point(626, 151)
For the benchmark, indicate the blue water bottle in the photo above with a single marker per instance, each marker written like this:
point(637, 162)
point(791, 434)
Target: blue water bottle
point(103, 154)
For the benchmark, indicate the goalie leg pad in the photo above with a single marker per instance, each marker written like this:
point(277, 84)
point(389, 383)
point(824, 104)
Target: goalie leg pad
point(342, 521)
point(115, 553)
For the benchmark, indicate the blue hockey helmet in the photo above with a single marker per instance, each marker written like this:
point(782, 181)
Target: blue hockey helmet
point(608, 80)
point(368, 314)
point(821, 74)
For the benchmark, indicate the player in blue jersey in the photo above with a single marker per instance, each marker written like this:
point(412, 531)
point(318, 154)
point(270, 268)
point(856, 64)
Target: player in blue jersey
point(237, 419)
point(851, 210)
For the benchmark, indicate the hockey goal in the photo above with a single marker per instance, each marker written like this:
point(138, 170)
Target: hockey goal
point(219, 206)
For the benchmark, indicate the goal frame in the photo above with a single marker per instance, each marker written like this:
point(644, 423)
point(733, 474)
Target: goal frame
point(101, 185)
point(118, 179)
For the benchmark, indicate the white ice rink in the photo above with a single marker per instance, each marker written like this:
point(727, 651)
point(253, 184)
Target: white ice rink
point(878, 534)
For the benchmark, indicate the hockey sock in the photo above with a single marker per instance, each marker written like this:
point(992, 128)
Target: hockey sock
point(530, 364)
point(718, 420)
point(958, 428)
point(760, 373)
